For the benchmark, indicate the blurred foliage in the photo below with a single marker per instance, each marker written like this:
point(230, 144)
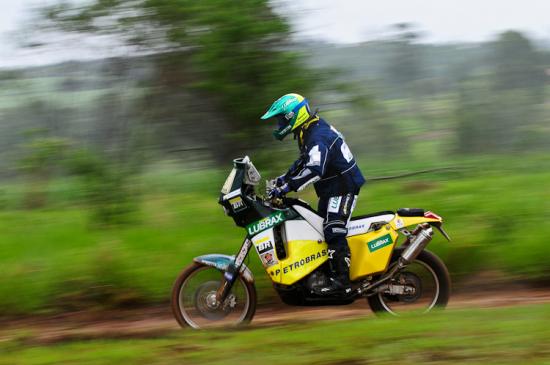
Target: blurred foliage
point(494, 211)
point(107, 187)
point(43, 155)
point(42, 158)
point(503, 111)
point(406, 64)
point(517, 64)
point(104, 184)
point(142, 143)
point(489, 121)
point(233, 57)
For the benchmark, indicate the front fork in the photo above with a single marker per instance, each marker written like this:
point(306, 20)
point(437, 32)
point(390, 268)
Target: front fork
point(232, 272)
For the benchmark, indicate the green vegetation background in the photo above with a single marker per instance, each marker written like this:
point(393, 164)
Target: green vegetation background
point(54, 258)
point(110, 169)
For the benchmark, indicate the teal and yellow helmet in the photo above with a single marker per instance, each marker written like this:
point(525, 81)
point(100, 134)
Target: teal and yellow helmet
point(291, 111)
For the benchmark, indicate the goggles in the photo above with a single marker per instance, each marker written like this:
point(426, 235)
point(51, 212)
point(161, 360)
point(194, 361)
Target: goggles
point(283, 121)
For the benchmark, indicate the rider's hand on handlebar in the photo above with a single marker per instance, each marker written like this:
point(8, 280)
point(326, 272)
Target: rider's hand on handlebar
point(280, 181)
point(277, 182)
point(278, 192)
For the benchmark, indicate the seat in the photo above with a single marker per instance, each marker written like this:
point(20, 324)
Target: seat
point(357, 225)
point(384, 212)
point(361, 224)
point(410, 212)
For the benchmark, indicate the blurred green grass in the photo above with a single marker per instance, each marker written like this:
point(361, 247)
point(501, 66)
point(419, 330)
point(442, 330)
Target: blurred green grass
point(483, 336)
point(496, 211)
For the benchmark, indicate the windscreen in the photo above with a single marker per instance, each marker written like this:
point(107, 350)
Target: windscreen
point(229, 181)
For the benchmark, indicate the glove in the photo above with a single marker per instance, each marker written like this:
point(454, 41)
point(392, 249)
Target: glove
point(279, 192)
point(273, 183)
point(280, 181)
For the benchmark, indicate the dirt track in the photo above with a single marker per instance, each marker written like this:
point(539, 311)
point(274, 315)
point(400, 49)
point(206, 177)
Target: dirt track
point(151, 322)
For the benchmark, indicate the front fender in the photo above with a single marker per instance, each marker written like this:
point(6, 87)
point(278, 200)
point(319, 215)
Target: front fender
point(222, 262)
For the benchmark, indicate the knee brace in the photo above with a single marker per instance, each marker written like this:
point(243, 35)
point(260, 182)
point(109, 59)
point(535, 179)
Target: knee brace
point(335, 233)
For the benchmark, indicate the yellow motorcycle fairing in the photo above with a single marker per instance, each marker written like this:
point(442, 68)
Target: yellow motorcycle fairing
point(304, 247)
point(303, 257)
point(370, 251)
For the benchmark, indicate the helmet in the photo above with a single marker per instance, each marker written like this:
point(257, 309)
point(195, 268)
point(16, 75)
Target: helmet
point(291, 111)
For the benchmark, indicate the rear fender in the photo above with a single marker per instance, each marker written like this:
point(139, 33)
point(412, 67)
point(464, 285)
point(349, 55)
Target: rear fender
point(222, 262)
point(400, 222)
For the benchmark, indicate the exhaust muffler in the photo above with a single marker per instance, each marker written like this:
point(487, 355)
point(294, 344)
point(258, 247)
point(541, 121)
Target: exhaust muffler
point(417, 243)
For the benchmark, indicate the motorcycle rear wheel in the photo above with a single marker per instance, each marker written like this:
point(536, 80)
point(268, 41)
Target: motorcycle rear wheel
point(193, 294)
point(430, 266)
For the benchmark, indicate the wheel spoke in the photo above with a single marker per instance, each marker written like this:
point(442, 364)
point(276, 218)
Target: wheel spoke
point(415, 289)
point(199, 307)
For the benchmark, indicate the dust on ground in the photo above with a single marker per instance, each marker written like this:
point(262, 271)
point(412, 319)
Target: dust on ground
point(158, 321)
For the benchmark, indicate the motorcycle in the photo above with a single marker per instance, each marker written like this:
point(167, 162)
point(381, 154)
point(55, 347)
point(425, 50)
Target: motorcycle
point(287, 234)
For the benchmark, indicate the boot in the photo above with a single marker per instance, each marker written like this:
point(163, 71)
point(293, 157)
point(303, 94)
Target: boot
point(339, 283)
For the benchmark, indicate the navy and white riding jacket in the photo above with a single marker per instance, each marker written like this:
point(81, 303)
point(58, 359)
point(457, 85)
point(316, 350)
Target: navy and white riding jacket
point(326, 161)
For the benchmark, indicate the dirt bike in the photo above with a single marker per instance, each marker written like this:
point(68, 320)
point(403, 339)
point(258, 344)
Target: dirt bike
point(287, 234)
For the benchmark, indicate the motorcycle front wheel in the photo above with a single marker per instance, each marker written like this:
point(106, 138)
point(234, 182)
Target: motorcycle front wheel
point(194, 299)
point(420, 287)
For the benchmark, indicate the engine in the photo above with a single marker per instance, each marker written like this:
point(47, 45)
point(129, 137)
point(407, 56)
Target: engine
point(316, 279)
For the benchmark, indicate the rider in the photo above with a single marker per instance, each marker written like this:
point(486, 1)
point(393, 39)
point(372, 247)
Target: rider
point(327, 162)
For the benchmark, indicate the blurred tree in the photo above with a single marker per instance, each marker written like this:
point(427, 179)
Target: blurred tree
point(503, 111)
point(405, 63)
point(475, 118)
point(380, 135)
point(232, 55)
point(517, 64)
point(405, 68)
point(42, 156)
point(489, 121)
point(33, 115)
point(107, 187)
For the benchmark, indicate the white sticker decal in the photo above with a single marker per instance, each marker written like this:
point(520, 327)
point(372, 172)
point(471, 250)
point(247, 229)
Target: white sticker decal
point(399, 223)
point(334, 204)
point(269, 259)
point(314, 157)
point(302, 174)
point(353, 205)
point(264, 247)
point(346, 153)
point(237, 204)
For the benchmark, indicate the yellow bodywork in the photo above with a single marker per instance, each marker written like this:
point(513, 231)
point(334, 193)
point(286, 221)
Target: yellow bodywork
point(366, 260)
point(302, 258)
point(370, 252)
